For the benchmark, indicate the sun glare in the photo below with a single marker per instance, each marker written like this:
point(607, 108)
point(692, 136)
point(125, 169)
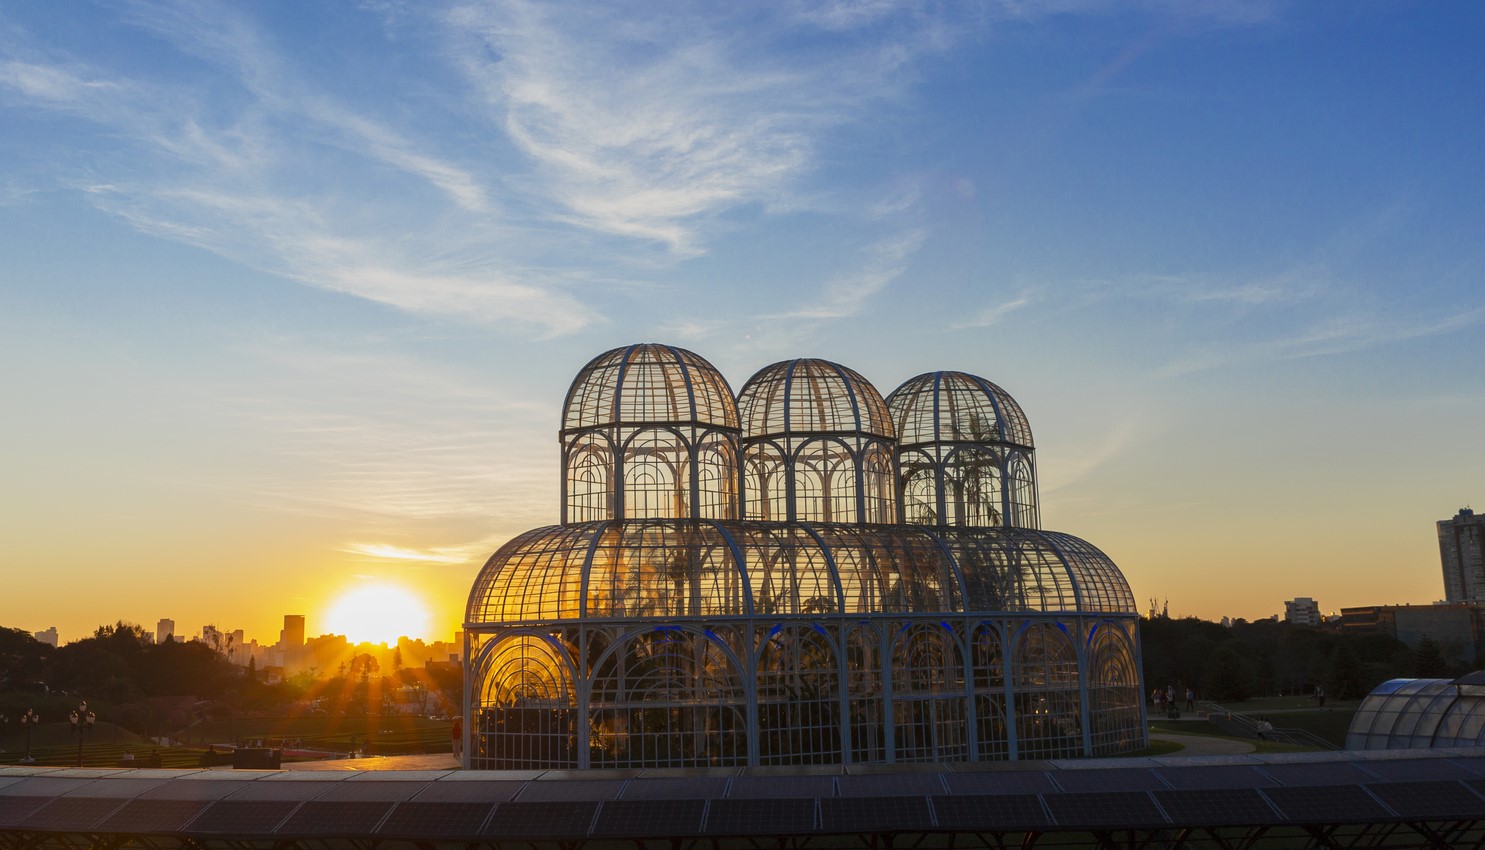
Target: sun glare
point(378, 613)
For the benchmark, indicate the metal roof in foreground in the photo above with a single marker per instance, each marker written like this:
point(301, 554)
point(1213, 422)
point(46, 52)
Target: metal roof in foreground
point(1430, 799)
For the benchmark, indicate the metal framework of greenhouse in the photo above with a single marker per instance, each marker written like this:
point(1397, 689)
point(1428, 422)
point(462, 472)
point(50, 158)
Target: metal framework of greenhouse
point(803, 573)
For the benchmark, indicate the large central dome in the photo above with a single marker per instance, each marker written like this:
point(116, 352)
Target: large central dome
point(811, 396)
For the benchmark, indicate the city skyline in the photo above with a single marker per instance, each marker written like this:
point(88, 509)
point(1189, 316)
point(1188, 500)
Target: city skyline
point(241, 637)
point(290, 297)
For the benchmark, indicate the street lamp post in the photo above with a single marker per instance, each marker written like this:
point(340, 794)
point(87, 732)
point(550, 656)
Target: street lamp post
point(28, 722)
point(82, 722)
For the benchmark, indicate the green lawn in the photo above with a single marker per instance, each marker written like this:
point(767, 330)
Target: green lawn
point(381, 736)
point(1297, 712)
point(55, 744)
point(1156, 748)
point(1286, 704)
point(1207, 729)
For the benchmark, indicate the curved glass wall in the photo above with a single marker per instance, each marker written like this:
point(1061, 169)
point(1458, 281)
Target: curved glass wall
point(656, 628)
point(1420, 713)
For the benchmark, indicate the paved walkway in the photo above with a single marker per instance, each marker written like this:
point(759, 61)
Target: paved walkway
point(436, 761)
point(1204, 745)
point(1191, 745)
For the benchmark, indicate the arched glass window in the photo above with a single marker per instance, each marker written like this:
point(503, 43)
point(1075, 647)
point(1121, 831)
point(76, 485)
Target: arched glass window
point(667, 698)
point(987, 667)
point(928, 695)
point(972, 487)
point(766, 482)
point(864, 684)
point(590, 492)
point(1023, 492)
point(1114, 700)
point(657, 475)
point(1048, 704)
point(527, 707)
point(716, 478)
point(798, 697)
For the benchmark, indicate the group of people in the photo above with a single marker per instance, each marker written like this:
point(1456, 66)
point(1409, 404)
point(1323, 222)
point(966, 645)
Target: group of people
point(1165, 701)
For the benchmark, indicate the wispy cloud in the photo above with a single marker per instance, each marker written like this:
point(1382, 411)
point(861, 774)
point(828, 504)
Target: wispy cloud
point(55, 85)
point(995, 312)
point(846, 294)
point(253, 164)
point(388, 552)
point(644, 122)
point(1337, 335)
point(613, 136)
point(1292, 285)
point(388, 441)
point(217, 35)
point(1073, 467)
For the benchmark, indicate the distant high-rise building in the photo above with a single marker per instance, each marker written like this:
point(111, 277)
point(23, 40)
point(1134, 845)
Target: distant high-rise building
point(1302, 611)
point(1462, 550)
point(293, 635)
point(213, 637)
point(48, 636)
point(164, 630)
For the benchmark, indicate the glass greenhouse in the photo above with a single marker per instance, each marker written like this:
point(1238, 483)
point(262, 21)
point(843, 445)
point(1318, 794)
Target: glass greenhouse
point(1421, 713)
point(803, 573)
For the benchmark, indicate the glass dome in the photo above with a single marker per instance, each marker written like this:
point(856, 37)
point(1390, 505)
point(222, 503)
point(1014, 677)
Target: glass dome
point(649, 431)
point(956, 407)
point(812, 396)
point(817, 445)
point(647, 384)
point(964, 453)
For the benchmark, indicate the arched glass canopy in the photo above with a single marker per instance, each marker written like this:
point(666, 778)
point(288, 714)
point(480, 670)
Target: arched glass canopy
point(1421, 713)
point(673, 569)
point(733, 583)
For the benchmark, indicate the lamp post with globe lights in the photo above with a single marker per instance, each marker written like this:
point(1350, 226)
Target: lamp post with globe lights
point(82, 722)
point(28, 722)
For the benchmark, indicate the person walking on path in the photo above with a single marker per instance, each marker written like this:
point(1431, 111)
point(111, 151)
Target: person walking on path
point(458, 733)
point(1190, 700)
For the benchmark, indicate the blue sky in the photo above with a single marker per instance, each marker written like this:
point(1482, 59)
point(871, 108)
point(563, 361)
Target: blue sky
point(291, 293)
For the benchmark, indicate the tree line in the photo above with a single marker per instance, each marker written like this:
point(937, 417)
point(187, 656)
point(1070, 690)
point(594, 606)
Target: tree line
point(1268, 658)
point(159, 689)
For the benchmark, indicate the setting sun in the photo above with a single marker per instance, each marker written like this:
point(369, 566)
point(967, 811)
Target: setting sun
point(378, 613)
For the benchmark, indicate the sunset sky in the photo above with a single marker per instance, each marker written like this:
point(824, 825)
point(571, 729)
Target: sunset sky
point(290, 293)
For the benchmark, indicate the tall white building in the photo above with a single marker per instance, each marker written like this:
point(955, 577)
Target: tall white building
point(164, 630)
point(47, 636)
point(1462, 551)
point(1302, 611)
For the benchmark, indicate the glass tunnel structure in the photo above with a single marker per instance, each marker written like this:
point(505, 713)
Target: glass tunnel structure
point(802, 573)
point(1404, 714)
